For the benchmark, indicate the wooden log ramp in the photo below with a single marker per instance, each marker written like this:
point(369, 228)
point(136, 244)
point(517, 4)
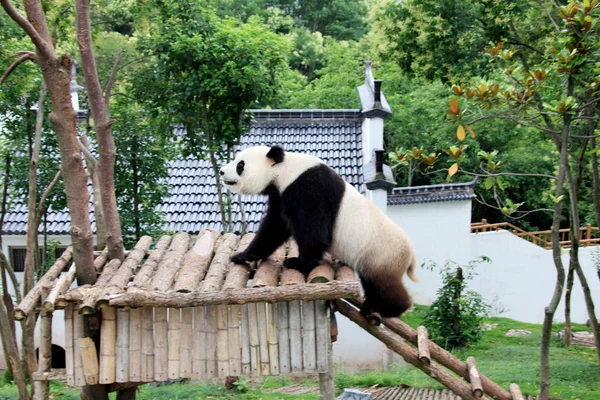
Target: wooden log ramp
point(439, 357)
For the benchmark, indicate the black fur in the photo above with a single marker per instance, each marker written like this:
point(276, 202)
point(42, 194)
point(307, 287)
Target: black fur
point(384, 293)
point(306, 210)
point(276, 154)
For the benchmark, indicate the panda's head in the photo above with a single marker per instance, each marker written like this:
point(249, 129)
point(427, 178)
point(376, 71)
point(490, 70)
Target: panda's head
point(251, 172)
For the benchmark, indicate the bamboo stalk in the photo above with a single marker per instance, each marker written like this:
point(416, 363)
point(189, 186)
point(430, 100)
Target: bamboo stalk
point(108, 345)
point(78, 333)
point(245, 339)
point(167, 269)
point(220, 264)
point(63, 284)
point(143, 278)
point(309, 345)
point(474, 378)
point(423, 344)
point(253, 339)
point(174, 342)
point(186, 349)
point(89, 359)
point(160, 345)
point(69, 341)
point(199, 365)
point(294, 308)
point(235, 346)
point(322, 335)
point(283, 336)
point(135, 345)
point(122, 346)
point(222, 342)
point(42, 388)
point(311, 291)
point(211, 342)
point(196, 261)
point(147, 353)
point(32, 298)
point(261, 312)
point(273, 339)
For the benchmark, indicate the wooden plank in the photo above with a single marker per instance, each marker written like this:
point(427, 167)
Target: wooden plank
point(122, 346)
point(283, 336)
point(295, 323)
point(245, 339)
point(261, 312)
point(222, 342)
point(147, 353)
point(69, 341)
point(234, 338)
point(309, 346)
point(108, 345)
point(322, 336)
point(254, 340)
point(77, 363)
point(199, 363)
point(89, 359)
point(186, 345)
point(135, 345)
point(273, 339)
point(173, 342)
point(211, 342)
point(161, 357)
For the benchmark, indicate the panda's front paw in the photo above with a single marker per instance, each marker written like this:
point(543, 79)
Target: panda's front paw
point(297, 264)
point(243, 257)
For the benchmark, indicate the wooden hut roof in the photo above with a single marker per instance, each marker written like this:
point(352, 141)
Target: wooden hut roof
point(175, 273)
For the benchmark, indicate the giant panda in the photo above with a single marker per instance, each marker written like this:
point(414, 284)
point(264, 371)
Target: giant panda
point(310, 202)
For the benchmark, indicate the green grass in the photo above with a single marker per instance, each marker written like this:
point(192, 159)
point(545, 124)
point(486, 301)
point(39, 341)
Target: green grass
point(575, 374)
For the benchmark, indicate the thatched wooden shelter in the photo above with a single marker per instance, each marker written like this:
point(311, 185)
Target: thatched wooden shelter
point(175, 310)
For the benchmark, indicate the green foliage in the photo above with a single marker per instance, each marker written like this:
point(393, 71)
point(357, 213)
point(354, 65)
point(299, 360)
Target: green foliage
point(454, 319)
point(241, 385)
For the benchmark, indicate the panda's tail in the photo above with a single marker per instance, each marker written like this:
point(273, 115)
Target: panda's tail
point(410, 271)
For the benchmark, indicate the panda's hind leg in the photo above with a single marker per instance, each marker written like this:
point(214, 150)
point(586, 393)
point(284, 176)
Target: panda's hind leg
point(384, 293)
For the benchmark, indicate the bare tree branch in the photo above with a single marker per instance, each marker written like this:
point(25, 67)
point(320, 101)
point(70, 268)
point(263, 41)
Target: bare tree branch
point(112, 78)
point(24, 56)
point(11, 273)
point(508, 174)
point(42, 204)
point(36, 37)
point(89, 157)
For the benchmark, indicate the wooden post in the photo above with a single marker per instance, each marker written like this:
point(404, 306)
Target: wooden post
point(171, 262)
point(222, 342)
point(196, 261)
point(174, 342)
point(108, 345)
point(69, 341)
point(245, 338)
point(135, 345)
point(283, 335)
point(77, 363)
point(327, 379)
point(273, 339)
point(186, 349)
point(235, 347)
point(323, 335)
point(63, 284)
point(423, 345)
point(308, 337)
point(89, 359)
point(474, 378)
point(295, 336)
point(161, 358)
point(42, 388)
point(211, 342)
point(144, 276)
point(515, 391)
point(147, 356)
point(122, 356)
point(199, 363)
point(254, 340)
point(265, 366)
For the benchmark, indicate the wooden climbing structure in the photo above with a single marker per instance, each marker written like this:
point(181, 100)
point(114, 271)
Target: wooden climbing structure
point(180, 310)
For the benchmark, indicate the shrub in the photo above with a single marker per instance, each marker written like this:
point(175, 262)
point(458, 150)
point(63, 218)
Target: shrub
point(454, 319)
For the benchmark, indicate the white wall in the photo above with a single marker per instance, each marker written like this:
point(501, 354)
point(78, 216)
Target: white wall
point(521, 276)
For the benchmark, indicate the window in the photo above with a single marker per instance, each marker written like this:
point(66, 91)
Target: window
point(17, 257)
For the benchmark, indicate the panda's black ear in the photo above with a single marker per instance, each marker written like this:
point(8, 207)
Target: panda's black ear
point(276, 154)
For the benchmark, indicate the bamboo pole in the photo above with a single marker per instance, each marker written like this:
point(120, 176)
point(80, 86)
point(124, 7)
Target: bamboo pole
point(32, 298)
point(78, 333)
point(147, 353)
point(311, 291)
point(322, 335)
point(42, 388)
point(474, 378)
point(135, 345)
point(199, 364)
point(235, 346)
point(327, 379)
point(441, 355)
point(211, 342)
point(143, 278)
point(89, 359)
point(222, 342)
point(273, 339)
point(245, 339)
point(261, 314)
point(409, 354)
point(186, 349)
point(309, 345)
point(108, 345)
point(171, 262)
point(296, 348)
point(69, 341)
point(174, 342)
point(63, 284)
point(283, 336)
point(122, 346)
point(196, 261)
point(253, 339)
point(160, 345)
point(423, 344)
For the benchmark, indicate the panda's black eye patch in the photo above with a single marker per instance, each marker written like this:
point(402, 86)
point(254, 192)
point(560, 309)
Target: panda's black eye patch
point(239, 168)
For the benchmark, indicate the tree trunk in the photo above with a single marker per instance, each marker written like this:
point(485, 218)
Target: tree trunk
point(568, 291)
point(136, 194)
point(91, 164)
point(596, 182)
point(102, 123)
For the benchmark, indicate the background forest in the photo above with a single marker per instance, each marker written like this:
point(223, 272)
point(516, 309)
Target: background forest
point(309, 55)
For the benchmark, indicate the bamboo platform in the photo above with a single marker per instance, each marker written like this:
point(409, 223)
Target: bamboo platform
point(178, 309)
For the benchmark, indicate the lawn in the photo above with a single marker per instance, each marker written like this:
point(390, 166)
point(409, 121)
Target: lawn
point(575, 371)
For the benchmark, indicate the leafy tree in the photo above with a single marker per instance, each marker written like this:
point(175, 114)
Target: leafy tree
point(206, 72)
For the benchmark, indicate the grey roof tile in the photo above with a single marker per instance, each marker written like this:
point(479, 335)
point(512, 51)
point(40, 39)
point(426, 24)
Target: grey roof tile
point(432, 193)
